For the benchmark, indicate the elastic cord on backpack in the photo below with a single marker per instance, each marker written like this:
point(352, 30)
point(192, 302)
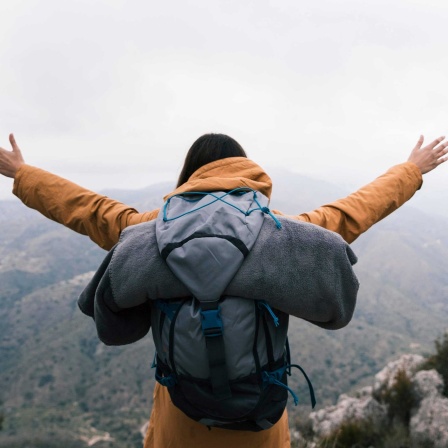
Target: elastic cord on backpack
point(310, 386)
point(263, 304)
point(219, 198)
point(275, 377)
point(271, 378)
point(266, 211)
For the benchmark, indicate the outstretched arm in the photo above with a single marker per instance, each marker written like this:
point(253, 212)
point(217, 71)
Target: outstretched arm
point(77, 208)
point(353, 215)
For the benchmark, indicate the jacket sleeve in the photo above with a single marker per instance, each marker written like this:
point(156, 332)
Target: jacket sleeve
point(353, 215)
point(77, 208)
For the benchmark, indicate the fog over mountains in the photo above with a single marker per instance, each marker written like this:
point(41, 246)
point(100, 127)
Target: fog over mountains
point(59, 384)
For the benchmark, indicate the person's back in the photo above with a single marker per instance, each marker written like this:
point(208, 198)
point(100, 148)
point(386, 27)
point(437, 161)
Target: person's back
point(216, 277)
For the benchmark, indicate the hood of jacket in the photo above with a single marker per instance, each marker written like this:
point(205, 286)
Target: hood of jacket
point(227, 174)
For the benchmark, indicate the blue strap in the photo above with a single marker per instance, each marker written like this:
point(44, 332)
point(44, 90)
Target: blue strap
point(288, 356)
point(154, 361)
point(167, 381)
point(263, 304)
point(310, 386)
point(167, 307)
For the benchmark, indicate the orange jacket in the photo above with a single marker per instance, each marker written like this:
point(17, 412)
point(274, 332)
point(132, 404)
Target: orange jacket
point(102, 219)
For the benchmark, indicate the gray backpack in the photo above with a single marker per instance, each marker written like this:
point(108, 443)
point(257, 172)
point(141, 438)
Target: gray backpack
point(224, 359)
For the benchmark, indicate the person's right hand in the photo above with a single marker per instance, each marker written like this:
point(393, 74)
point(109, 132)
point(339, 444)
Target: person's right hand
point(431, 156)
point(11, 161)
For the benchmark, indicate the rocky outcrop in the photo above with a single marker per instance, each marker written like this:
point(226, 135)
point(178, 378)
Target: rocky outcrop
point(327, 420)
point(384, 380)
point(429, 424)
point(427, 383)
point(427, 416)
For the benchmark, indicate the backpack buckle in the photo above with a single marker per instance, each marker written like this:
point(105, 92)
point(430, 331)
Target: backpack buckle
point(211, 323)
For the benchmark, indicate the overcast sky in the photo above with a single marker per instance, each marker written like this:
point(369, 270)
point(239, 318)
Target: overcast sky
point(112, 93)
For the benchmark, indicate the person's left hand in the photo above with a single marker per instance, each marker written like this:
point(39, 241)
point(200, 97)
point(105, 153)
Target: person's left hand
point(430, 156)
point(11, 161)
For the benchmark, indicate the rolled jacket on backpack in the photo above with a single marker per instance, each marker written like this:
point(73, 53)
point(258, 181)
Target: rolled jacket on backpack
point(301, 269)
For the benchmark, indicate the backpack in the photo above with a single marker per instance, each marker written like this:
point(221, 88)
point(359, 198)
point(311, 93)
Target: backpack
point(224, 359)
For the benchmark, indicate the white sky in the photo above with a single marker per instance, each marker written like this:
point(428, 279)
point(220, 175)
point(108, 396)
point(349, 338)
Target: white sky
point(112, 93)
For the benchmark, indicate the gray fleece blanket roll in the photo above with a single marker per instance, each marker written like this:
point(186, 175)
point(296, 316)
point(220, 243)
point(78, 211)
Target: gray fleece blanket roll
point(302, 270)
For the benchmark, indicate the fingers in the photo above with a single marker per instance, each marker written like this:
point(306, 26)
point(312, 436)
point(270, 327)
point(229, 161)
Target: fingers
point(433, 144)
point(437, 151)
point(440, 148)
point(441, 153)
point(419, 143)
point(430, 156)
point(435, 155)
point(13, 142)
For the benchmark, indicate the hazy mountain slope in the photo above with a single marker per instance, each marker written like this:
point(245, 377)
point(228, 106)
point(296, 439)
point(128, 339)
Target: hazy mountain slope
point(294, 194)
point(56, 378)
point(62, 375)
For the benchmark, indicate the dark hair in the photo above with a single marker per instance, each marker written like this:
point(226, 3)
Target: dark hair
point(206, 149)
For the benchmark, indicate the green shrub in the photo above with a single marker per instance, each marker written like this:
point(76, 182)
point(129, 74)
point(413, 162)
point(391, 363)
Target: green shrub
point(45, 379)
point(397, 436)
point(352, 434)
point(400, 398)
point(362, 434)
point(439, 361)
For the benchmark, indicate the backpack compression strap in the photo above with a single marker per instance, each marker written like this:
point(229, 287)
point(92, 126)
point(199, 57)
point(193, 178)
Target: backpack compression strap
point(212, 328)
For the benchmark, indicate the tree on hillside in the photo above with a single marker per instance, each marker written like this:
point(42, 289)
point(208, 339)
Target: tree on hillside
point(439, 361)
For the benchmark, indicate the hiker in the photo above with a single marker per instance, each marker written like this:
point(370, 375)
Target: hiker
point(214, 162)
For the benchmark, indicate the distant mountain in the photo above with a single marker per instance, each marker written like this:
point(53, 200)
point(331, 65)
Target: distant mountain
point(58, 383)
